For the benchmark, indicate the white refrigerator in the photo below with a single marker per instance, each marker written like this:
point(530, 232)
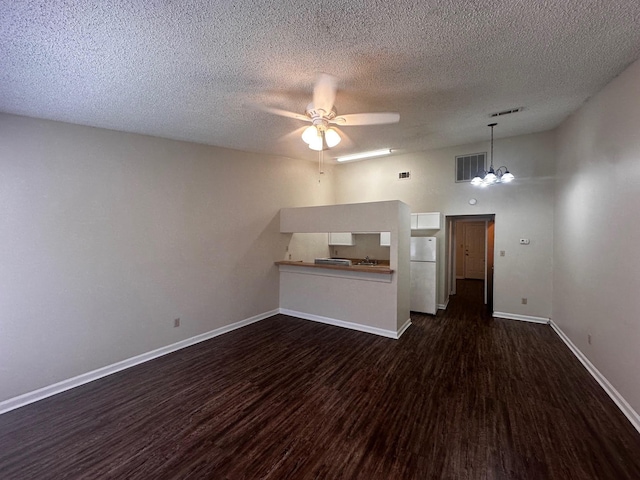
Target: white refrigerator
point(423, 275)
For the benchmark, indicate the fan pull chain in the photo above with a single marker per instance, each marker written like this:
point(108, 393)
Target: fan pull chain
point(321, 156)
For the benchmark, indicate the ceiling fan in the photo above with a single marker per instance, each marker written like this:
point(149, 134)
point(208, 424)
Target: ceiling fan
point(322, 114)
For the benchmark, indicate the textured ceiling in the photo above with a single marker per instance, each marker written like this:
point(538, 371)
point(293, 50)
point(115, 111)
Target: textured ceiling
point(198, 70)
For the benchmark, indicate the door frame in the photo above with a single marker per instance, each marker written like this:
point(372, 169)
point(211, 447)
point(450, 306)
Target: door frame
point(489, 246)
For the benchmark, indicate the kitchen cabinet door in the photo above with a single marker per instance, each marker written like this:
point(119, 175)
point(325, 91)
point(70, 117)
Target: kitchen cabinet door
point(385, 239)
point(426, 221)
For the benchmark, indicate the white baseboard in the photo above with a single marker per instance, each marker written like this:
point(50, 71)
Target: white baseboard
point(41, 393)
point(341, 323)
point(619, 400)
point(404, 327)
point(443, 306)
point(522, 318)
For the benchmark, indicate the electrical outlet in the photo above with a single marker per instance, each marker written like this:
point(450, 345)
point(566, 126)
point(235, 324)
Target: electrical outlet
point(589, 339)
point(286, 249)
point(524, 301)
point(176, 322)
point(289, 256)
point(502, 252)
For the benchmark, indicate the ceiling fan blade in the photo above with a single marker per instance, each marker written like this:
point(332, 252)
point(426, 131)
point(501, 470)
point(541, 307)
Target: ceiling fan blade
point(324, 92)
point(346, 140)
point(366, 119)
point(285, 113)
point(292, 136)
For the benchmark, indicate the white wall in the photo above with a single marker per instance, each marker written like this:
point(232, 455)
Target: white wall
point(523, 208)
point(106, 237)
point(597, 233)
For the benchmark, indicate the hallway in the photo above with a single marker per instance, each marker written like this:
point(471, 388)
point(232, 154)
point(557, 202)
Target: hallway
point(468, 300)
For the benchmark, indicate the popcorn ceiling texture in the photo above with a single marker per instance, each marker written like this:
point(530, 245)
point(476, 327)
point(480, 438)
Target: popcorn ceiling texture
point(196, 70)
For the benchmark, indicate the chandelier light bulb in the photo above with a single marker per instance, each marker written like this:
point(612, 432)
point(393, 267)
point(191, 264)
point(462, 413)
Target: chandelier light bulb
point(490, 178)
point(507, 177)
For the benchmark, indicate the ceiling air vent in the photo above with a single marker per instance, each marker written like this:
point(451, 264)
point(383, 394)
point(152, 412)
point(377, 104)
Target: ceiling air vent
point(507, 112)
point(404, 175)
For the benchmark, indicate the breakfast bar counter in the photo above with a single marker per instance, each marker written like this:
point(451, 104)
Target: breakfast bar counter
point(376, 269)
point(360, 294)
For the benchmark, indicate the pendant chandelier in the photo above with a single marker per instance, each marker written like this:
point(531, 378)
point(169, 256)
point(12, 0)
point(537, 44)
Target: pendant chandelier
point(501, 175)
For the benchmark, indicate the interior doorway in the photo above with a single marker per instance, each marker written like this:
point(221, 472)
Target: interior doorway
point(470, 246)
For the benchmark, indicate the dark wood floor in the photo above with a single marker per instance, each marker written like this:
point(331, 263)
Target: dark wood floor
point(459, 396)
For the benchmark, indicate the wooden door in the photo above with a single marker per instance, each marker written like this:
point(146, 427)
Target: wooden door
point(474, 235)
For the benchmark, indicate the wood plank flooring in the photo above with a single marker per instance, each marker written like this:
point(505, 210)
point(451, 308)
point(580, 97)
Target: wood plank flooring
point(459, 396)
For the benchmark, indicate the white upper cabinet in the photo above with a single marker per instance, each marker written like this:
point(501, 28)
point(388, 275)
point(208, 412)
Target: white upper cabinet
point(385, 239)
point(341, 238)
point(426, 221)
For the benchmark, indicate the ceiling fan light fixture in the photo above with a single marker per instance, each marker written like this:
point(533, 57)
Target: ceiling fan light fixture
point(317, 138)
point(310, 134)
point(332, 138)
point(322, 113)
point(316, 143)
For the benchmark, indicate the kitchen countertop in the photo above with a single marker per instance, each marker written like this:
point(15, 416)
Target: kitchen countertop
point(381, 269)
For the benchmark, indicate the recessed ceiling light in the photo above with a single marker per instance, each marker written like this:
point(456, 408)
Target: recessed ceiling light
point(360, 156)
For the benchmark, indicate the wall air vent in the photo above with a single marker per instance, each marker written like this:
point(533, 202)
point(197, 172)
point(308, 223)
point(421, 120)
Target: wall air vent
point(468, 166)
point(507, 112)
point(404, 175)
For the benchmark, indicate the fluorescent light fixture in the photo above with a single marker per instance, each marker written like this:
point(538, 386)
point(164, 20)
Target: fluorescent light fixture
point(360, 156)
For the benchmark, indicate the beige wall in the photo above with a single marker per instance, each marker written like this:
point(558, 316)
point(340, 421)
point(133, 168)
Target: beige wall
point(106, 237)
point(596, 260)
point(523, 209)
